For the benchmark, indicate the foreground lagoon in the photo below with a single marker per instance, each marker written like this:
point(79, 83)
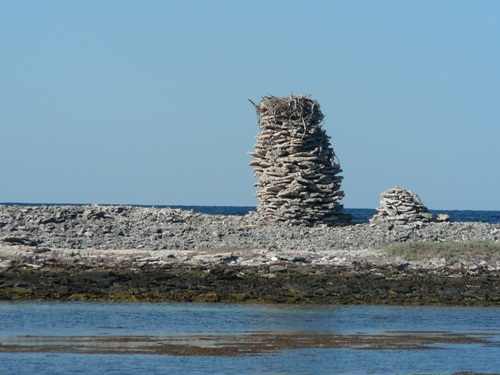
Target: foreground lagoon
point(83, 337)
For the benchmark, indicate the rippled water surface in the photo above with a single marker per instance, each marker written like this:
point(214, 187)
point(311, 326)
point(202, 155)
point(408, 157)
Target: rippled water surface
point(170, 338)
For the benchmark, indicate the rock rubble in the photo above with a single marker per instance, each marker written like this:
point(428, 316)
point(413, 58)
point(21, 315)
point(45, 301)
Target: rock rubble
point(279, 283)
point(150, 228)
point(299, 180)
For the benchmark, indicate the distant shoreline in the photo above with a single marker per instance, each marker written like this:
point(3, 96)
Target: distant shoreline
point(119, 253)
point(360, 215)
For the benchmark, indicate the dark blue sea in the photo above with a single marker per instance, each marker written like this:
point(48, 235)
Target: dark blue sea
point(360, 215)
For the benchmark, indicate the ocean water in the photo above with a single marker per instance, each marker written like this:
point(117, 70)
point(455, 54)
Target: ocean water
point(360, 215)
point(33, 323)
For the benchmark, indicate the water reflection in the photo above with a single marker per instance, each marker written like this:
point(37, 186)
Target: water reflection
point(55, 337)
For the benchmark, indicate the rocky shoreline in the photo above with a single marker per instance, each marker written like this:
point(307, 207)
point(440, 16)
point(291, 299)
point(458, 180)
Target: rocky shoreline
point(118, 253)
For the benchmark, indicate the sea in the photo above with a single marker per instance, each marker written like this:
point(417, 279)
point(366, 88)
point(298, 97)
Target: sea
point(120, 338)
point(205, 338)
point(360, 215)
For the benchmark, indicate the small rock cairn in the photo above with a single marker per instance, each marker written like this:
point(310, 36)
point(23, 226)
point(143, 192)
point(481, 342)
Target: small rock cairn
point(400, 207)
point(298, 177)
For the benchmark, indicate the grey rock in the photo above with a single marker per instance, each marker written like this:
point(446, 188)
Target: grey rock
point(185, 230)
point(440, 218)
point(277, 268)
point(5, 263)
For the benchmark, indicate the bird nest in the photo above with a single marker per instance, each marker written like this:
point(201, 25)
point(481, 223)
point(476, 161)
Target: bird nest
point(300, 109)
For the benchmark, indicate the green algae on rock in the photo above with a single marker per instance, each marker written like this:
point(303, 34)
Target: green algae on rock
point(360, 284)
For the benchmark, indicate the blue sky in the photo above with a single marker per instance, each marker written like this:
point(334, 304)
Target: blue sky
point(145, 102)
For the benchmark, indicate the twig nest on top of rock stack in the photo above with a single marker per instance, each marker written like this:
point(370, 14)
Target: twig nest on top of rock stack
point(400, 207)
point(295, 164)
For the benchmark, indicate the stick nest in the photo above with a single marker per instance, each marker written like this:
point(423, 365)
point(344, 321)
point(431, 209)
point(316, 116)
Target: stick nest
point(293, 108)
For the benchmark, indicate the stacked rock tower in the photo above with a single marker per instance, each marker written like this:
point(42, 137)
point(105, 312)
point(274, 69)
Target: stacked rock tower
point(399, 206)
point(298, 176)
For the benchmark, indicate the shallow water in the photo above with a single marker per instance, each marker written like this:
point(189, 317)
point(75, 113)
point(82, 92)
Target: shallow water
point(283, 339)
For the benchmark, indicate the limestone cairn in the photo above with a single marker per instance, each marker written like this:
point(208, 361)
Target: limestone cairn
point(400, 207)
point(298, 176)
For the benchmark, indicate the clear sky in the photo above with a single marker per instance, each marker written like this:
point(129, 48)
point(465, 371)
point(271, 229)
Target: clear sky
point(145, 102)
